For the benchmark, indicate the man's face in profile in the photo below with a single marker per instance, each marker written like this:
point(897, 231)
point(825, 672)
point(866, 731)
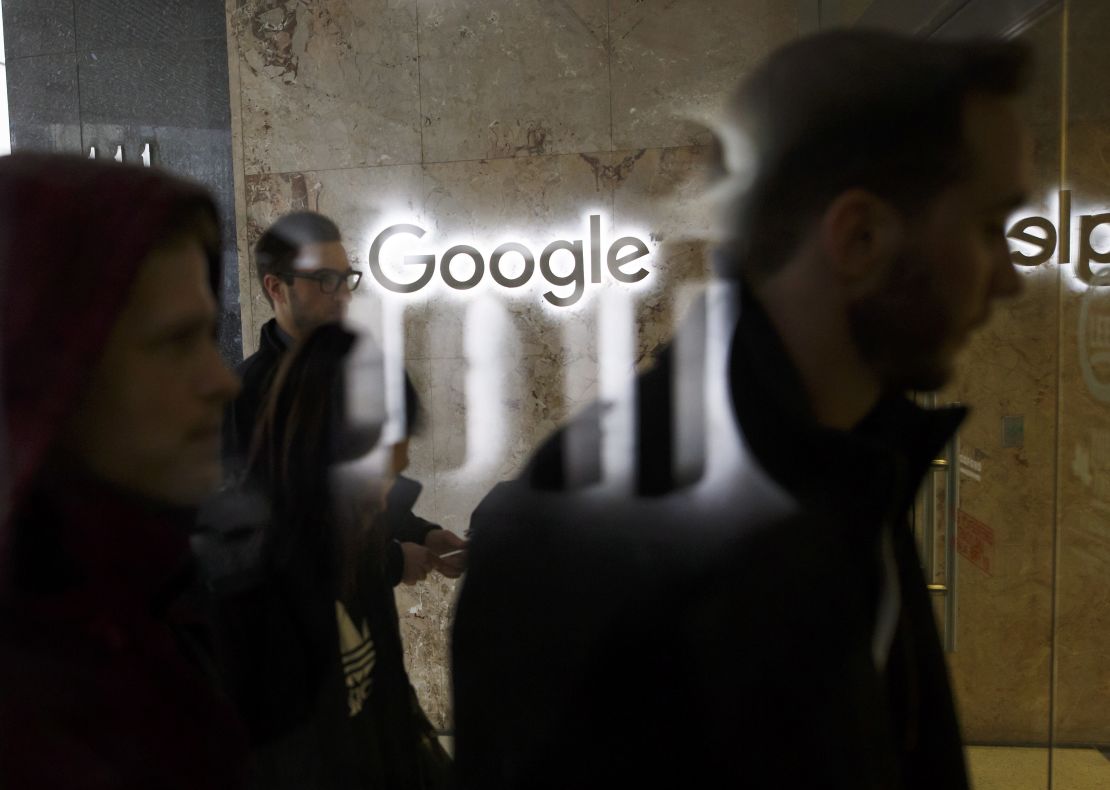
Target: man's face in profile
point(150, 419)
point(954, 262)
point(309, 306)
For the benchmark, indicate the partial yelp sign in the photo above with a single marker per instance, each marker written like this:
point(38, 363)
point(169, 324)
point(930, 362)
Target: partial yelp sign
point(1094, 335)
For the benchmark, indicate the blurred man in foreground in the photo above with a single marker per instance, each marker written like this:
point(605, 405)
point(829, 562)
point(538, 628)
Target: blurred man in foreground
point(766, 623)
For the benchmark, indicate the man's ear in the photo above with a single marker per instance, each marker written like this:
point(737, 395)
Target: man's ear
point(272, 283)
point(860, 235)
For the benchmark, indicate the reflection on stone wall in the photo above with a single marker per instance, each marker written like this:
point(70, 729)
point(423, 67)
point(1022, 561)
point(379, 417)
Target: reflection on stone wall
point(1002, 667)
point(481, 122)
point(1034, 622)
point(1083, 553)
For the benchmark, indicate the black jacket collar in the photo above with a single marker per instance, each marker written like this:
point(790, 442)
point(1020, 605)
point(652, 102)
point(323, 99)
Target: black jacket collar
point(868, 474)
point(273, 338)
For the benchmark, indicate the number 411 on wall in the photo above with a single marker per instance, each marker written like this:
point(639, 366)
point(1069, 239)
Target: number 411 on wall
point(118, 156)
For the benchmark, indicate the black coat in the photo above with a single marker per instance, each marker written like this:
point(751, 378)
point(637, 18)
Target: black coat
point(257, 373)
point(717, 637)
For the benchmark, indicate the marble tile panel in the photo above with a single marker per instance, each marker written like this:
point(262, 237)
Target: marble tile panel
point(358, 200)
point(108, 24)
point(1041, 101)
point(43, 104)
point(425, 608)
point(1083, 566)
point(533, 201)
point(1006, 599)
point(425, 611)
point(331, 84)
point(1089, 167)
point(185, 86)
point(1088, 99)
point(533, 406)
point(507, 78)
point(674, 62)
point(38, 27)
point(660, 310)
point(1083, 571)
point(1010, 369)
point(482, 440)
point(667, 189)
point(667, 194)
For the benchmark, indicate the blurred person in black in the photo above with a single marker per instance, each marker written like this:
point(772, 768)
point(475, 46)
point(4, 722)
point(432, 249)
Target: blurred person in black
point(768, 627)
point(113, 391)
point(306, 277)
point(313, 637)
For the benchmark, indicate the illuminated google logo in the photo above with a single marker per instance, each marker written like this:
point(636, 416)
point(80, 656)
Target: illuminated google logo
point(511, 265)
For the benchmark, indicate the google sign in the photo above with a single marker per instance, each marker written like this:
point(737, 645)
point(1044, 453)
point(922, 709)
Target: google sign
point(512, 264)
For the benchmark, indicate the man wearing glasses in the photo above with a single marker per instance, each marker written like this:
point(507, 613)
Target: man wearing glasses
point(305, 275)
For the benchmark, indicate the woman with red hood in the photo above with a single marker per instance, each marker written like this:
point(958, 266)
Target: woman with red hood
point(112, 393)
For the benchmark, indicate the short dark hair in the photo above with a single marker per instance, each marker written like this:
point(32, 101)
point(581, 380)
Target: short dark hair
point(282, 242)
point(850, 109)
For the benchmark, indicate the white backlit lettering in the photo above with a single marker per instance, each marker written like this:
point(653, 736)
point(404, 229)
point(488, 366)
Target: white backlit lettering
point(512, 264)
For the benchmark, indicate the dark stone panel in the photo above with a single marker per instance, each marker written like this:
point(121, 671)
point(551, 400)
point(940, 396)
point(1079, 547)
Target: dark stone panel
point(37, 27)
point(182, 85)
point(148, 71)
point(108, 24)
point(203, 155)
point(43, 104)
point(231, 321)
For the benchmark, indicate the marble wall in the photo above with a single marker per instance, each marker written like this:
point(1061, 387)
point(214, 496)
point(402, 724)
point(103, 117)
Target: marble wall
point(1083, 505)
point(1002, 666)
point(484, 122)
point(1031, 664)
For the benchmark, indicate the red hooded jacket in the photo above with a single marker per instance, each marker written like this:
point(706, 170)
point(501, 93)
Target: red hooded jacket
point(105, 680)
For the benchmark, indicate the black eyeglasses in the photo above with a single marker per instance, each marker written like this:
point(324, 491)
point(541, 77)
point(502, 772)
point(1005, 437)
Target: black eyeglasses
point(328, 280)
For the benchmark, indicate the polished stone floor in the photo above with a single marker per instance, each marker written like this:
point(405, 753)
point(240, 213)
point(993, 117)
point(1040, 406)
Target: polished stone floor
point(1016, 768)
point(1012, 768)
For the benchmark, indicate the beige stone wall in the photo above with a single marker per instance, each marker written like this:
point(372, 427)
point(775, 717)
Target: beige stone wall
point(1002, 667)
point(1033, 657)
point(1083, 542)
point(479, 121)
